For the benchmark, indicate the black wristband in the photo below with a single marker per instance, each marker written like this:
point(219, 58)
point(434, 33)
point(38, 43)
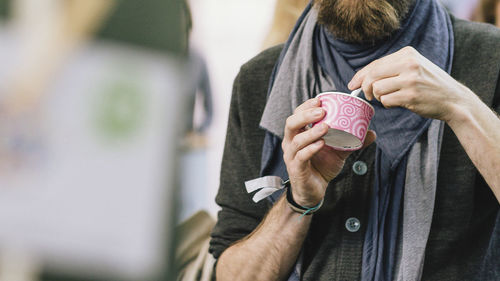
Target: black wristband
point(296, 207)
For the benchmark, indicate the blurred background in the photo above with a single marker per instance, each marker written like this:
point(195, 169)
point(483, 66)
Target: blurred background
point(112, 124)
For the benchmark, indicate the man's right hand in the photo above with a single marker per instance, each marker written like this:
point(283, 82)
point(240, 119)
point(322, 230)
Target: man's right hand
point(311, 164)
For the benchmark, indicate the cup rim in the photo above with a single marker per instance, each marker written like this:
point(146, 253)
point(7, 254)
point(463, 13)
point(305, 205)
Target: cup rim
point(345, 94)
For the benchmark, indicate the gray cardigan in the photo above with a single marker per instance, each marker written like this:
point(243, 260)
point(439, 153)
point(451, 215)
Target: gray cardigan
point(464, 241)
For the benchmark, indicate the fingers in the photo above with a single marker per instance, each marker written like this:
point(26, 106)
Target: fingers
point(371, 136)
point(395, 99)
point(302, 140)
point(305, 154)
point(296, 138)
point(372, 73)
point(379, 69)
point(311, 103)
point(301, 118)
point(386, 67)
point(386, 86)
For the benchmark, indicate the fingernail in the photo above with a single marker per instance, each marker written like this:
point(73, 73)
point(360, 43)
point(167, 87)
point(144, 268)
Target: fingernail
point(349, 85)
point(315, 101)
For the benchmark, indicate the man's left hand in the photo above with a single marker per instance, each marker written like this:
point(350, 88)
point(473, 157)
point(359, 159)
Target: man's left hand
point(408, 79)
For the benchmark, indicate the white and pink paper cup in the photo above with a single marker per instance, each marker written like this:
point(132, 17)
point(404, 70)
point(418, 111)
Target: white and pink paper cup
point(348, 118)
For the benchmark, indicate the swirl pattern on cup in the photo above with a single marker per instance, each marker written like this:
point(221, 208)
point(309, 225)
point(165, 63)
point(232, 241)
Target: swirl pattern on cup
point(348, 109)
point(346, 113)
point(343, 122)
point(360, 127)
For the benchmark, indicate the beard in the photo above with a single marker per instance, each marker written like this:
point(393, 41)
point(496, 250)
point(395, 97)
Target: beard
point(362, 21)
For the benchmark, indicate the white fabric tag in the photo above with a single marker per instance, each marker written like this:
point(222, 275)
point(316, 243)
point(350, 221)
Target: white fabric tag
point(265, 185)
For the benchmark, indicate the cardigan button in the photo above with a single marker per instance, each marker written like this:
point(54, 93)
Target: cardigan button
point(360, 168)
point(352, 224)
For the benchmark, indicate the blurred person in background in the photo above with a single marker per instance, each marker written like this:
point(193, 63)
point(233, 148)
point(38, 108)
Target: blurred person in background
point(419, 201)
point(49, 37)
point(286, 13)
point(463, 9)
point(199, 102)
point(489, 11)
point(53, 40)
point(41, 37)
point(193, 262)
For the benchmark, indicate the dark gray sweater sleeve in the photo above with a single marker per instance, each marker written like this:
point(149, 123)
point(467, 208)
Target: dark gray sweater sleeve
point(239, 215)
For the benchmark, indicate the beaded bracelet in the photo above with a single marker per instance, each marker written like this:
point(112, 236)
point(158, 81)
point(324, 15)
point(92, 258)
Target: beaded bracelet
point(305, 211)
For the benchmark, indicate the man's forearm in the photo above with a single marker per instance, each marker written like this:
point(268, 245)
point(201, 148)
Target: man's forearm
point(268, 253)
point(478, 129)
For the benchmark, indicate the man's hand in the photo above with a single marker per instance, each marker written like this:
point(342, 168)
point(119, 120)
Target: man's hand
point(311, 165)
point(408, 79)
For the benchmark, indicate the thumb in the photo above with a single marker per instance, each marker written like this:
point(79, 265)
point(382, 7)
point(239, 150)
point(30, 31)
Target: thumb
point(371, 136)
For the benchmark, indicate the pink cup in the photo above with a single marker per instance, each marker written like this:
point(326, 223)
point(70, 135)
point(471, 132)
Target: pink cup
point(347, 117)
